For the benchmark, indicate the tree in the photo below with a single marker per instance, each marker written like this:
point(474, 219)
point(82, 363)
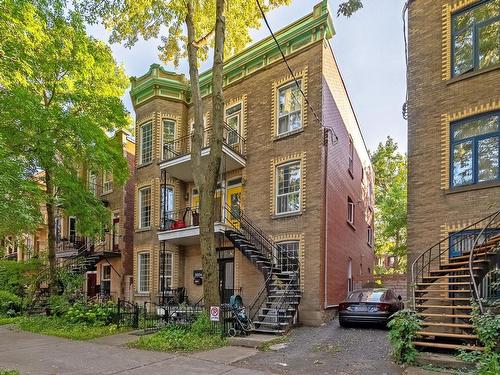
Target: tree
point(390, 168)
point(209, 23)
point(59, 100)
point(348, 8)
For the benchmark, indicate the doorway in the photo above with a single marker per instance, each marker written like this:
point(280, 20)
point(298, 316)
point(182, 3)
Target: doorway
point(91, 284)
point(226, 279)
point(116, 233)
point(233, 200)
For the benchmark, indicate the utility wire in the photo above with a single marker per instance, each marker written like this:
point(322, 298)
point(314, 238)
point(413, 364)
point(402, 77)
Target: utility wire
point(292, 73)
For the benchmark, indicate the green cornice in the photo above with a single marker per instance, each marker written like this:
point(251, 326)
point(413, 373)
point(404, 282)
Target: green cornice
point(300, 34)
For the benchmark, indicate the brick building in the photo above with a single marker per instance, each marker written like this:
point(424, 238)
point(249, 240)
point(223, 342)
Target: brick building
point(283, 171)
point(453, 140)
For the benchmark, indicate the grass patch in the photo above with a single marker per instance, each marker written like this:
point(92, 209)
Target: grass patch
point(8, 320)
point(194, 338)
point(53, 326)
point(265, 347)
point(8, 372)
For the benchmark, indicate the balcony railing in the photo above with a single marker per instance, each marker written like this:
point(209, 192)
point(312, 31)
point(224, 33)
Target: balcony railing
point(182, 146)
point(186, 218)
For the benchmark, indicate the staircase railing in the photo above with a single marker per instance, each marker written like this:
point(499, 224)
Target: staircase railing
point(284, 301)
point(490, 230)
point(460, 240)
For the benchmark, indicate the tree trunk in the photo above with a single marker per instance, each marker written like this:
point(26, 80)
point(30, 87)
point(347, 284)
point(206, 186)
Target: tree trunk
point(206, 176)
point(51, 232)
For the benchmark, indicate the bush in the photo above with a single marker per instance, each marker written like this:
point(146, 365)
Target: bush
point(10, 304)
point(58, 305)
point(403, 328)
point(91, 314)
point(16, 277)
point(177, 338)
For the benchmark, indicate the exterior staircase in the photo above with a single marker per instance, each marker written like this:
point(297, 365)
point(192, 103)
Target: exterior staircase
point(444, 286)
point(276, 305)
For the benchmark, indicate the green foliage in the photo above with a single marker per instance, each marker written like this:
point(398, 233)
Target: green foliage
point(403, 328)
point(9, 320)
point(70, 282)
point(59, 305)
point(9, 372)
point(175, 338)
point(60, 327)
point(16, 277)
point(91, 314)
point(348, 8)
point(390, 169)
point(10, 304)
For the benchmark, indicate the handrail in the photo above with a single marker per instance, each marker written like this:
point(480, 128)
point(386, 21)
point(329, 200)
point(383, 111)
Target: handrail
point(471, 257)
point(429, 254)
point(282, 300)
point(257, 300)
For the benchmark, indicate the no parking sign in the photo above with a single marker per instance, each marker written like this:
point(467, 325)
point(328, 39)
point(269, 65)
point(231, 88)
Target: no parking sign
point(214, 313)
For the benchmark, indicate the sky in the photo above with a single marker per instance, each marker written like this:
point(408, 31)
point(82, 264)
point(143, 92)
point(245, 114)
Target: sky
point(369, 49)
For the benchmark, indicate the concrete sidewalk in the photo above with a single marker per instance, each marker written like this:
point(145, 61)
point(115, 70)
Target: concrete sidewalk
point(45, 355)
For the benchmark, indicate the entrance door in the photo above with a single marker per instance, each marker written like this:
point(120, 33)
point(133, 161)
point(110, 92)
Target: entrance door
point(226, 279)
point(233, 200)
point(116, 233)
point(72, 229)
point(91, 284)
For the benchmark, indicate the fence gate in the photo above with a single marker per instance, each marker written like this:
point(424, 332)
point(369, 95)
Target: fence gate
point(127, 314)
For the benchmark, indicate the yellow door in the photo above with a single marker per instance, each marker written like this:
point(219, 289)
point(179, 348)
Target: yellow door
point(233, 200)
point(195, 200)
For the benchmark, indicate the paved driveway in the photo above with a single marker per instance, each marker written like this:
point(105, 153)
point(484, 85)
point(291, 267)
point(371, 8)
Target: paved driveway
point(43, 355)
point(329, 349)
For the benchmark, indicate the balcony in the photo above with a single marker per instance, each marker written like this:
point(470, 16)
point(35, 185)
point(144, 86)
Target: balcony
point(177, 154)
point(182, 227)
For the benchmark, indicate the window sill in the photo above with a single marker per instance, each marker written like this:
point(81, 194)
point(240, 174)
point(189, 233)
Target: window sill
point(479, 186)
point(351, 225)
point(288, 134)
point(107, 192)
point(141, 294)
point(472, 74)
point(139, 230)
point(283, 216)
point(144, 165)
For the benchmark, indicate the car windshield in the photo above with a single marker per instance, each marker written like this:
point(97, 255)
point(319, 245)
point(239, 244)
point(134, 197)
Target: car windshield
point(366, 296)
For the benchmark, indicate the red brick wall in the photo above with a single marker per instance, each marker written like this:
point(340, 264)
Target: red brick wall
point(343, 241)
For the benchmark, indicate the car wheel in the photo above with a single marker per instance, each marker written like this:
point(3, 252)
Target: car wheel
point(343, 323)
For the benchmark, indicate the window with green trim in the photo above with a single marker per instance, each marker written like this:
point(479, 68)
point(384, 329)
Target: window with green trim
point(475, 144)
point(476, 37)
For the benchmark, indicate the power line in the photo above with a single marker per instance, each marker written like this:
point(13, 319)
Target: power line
point(292, 73)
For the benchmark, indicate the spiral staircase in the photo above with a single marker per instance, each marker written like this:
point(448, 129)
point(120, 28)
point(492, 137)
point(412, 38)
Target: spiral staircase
point(449, 278)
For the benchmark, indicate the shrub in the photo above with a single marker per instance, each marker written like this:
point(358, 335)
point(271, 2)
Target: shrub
point(403, 329)
point(10, 304)
point(16, 277)
point(91, 314)
point(59, 305)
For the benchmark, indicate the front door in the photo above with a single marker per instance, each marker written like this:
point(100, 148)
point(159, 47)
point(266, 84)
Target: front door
point(72, 229)
point(91, 285)
point(226, 279)
point(233, 200)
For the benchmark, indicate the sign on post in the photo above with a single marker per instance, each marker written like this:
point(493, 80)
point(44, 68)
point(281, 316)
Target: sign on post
point(214, 313)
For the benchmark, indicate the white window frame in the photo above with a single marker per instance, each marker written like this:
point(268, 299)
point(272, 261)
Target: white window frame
point(163, 121)
point(141, 143)
point(169, 276)
point(107, 182)
point(276, 191)
point(237, 115)
point(169, 210)
point(140, 281)
point(92, 182)
point(280, 116)
point(106, 279)
point(351, 156)
point(351, 211)
point(280, 260)
point(141, 190)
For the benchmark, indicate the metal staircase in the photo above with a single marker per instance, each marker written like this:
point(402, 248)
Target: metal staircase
point(445, 286)
point(276, 305)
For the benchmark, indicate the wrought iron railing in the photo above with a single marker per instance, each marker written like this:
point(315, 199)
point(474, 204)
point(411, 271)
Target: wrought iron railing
point(433, 258)
point(182, 146)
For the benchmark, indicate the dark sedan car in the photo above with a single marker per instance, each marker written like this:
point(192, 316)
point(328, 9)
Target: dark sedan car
point(374, 305)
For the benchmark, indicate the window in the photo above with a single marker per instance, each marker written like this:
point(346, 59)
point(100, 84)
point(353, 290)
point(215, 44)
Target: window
point(370, 235)
point(146, 143)
point(476, 37)
point(288, 255)
point(145, 207)
point(288, 188)
point(166, 204)
point(350, 285)
point(106, 280)
point(391, 261)
point(289, 108)
point(233, 121)
point(143, 273)
point(92, 182)
point(107, 182)
point(166, 270)
point(474, 150)
point(350, 211)
point(168, 139)
point(351, 157)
